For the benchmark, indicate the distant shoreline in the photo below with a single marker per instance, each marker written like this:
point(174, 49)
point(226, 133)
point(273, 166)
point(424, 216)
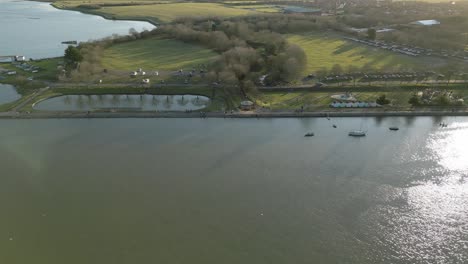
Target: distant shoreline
point(105, 16)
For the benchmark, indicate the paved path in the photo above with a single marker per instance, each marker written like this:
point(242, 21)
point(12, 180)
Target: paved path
point(282, 114)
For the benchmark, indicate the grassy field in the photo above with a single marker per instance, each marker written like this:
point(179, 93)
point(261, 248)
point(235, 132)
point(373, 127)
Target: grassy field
point(156, 54)
point(325, 50)
point(162, 12)
point(311, 101)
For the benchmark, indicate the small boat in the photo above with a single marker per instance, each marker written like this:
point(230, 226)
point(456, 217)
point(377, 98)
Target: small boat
point(72, 42)
point(310, 134)
point(334, 126)
point(393, 128)
point(357, 133)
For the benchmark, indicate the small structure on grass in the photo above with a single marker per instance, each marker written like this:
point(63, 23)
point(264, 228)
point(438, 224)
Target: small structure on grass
point(347, 97)
point(20, 58)
point(247, 105)
point(426, 23)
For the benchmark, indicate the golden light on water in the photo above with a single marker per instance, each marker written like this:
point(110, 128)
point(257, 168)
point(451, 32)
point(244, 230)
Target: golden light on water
point(437, 224)
point(450, 146)
point(427, 222)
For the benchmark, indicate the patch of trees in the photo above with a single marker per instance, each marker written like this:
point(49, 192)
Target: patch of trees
point(73, 56)
point(371, 34)
point(249, 48)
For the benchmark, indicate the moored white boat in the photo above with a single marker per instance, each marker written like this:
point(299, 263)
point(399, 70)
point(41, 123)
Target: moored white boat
point(357, 133)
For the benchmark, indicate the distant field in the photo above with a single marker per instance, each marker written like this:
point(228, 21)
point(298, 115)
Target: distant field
point(326, 50)
point(169, 12)
point(156, 54)
point(259, 8)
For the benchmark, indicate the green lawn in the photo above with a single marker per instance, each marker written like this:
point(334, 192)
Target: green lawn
point(294, 100)
point(156, 54)
point(169, 12)
point(326, 50)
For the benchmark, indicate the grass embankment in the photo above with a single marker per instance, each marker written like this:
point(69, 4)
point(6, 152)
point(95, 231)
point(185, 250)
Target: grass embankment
point(154, 11)
point(326, 50)
point(156, 54)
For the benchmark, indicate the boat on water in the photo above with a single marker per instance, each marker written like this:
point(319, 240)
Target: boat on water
point(443, 124)
point(357, 133)
point(310, 134)
point(334, 126)
point(71, 42)
point(393, 128)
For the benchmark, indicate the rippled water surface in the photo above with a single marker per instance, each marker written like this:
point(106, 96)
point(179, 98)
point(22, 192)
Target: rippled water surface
point(136, 102)
point(36, 30)
point(233, 191)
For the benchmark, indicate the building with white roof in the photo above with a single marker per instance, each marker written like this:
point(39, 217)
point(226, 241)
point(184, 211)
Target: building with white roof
point(430, 22)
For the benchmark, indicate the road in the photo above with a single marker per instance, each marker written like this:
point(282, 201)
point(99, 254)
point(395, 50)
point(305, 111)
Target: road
point(253, 114)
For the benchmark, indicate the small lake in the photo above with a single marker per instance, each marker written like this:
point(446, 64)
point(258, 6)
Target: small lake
point(144, 102)
point(36, 30)
point(8, 94)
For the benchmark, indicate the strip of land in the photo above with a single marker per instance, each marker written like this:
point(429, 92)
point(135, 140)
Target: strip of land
point(288, 114)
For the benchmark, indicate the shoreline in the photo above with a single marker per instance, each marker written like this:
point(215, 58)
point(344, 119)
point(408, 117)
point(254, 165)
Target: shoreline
point(103, 15)
point(152, 114)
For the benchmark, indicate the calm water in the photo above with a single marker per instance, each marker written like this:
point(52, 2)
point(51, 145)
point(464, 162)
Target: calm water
point(143, 102)
point(233, 191)
point(36, 30)
point(8, 94)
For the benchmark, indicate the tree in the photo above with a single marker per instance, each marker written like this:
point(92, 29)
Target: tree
point(449, 71)
point(73, 55)
point(337, 69)
point(414, 100)
point(371, 33)
point(443, 100)
point(382, 100)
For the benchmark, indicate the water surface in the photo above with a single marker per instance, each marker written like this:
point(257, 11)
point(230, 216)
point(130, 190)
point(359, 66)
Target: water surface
point(143, 102)
point(233, 191)
point(36, 30)
point(8, 94)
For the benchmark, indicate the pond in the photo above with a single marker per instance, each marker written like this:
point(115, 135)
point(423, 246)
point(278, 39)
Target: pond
point(37, 30)
point(8, 94)
point(143, 102)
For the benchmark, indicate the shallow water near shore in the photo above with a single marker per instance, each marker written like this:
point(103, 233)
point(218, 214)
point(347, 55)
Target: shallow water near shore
point(36, 29)
point(233, 191)
point(144, 102)
point(8, 94)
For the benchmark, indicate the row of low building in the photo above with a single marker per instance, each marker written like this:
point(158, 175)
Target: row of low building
point(406, 49)
point(410, 51)
point(378, 76)
point(354, 105)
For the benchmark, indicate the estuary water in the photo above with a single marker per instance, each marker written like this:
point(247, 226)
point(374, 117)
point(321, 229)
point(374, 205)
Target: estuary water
point(8, 94)
point(36, 30)
point(233, 191)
